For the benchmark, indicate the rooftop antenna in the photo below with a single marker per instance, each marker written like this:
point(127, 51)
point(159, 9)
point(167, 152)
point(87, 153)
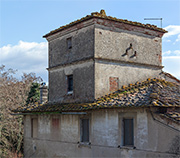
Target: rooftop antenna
point(154, 19)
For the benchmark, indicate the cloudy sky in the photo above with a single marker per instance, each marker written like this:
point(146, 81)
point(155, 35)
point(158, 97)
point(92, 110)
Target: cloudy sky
point(24, 22)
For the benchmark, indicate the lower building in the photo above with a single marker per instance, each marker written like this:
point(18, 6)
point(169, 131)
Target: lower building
point(141, 120)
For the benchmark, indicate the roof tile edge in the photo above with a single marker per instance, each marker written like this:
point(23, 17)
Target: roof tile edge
point(103, 15)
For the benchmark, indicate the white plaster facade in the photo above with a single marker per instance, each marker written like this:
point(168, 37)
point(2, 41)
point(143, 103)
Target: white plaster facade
point(151, 138)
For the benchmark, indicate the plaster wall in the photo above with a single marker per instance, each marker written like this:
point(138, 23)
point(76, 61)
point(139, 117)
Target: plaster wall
point(163, 136)
point(150, 138)
point(83, 83)
point(112, 42)
point(127, 74)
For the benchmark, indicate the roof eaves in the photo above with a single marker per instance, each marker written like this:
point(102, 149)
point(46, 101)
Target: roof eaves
point(103, 16)
point(144, 94)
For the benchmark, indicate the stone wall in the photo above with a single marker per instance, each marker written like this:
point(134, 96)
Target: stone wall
point(129, 53)
point(129, 46)
point(125, 72)
point(82, 46)
point(83, 82)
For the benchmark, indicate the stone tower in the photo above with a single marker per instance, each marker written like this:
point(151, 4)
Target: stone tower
point(98, 54)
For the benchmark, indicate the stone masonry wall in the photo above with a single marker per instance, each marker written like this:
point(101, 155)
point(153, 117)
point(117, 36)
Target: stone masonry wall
point(82, 46)
point(125, 74)
point(83, 83)
point(129, 46)
point(130, 53)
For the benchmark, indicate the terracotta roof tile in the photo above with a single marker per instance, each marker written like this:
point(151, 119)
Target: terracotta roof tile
point(152, 92)
point(173, 115)
point(103, 15)
point(171, 76)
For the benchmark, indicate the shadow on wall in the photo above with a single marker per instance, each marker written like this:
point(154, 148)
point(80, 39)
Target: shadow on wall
point(175, 145)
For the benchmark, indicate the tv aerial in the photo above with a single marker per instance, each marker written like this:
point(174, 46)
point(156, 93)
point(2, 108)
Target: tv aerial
point(154, 19)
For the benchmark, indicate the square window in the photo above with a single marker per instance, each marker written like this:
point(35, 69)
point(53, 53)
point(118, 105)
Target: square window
point(70, 83)
point(85, 130)
point(128, 132)
point(69, 43)
point(34, 127)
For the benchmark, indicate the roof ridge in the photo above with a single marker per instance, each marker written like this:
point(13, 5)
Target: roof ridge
point(103, 15)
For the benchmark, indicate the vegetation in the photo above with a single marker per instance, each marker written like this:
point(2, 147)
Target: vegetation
point(34, 93)
point(13, 93)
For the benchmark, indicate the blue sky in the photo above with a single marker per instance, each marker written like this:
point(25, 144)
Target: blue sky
point(24, 22)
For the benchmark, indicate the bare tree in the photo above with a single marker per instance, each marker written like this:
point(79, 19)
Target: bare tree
point(13, 93)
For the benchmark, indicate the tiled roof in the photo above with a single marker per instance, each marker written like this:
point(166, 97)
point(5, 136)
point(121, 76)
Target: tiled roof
point(174, 115)
point(152, 92)
point(103, 15)
point(171, 76)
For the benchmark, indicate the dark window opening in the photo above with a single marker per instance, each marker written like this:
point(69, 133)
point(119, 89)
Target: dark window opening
point(69, 43)
point(84, 130)
point(128, 132)
point(70, 83)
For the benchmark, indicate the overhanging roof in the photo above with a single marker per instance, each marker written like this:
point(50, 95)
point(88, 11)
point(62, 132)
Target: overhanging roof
point(149, 93)
point(102, 15)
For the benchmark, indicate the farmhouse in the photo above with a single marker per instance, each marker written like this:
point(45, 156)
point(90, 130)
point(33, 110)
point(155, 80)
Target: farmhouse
point(108, 95)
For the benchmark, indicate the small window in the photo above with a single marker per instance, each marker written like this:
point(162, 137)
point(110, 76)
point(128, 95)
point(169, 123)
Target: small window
point(70, 83)
point(84, 130)
point(128, 132)
point(34, 127)
point(69, 43)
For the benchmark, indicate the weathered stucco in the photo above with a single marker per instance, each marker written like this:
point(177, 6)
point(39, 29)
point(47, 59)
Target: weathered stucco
point(127, 74)
point(112, 44)
point(151, 138)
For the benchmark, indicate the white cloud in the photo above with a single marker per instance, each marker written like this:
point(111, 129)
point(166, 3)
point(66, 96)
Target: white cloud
point(166, 40)
point(178, 39)
point(172, 30)
point(26, 57)
point(32, 57)
point(171, 53)
point(177, 52)
point(172, 65)
point(167, 53)
point(171, 62)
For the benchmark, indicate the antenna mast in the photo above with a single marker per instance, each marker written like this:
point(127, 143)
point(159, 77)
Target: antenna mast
point(154, 19)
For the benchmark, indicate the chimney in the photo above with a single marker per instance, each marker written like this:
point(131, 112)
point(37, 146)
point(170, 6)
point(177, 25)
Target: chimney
point(43, 93)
